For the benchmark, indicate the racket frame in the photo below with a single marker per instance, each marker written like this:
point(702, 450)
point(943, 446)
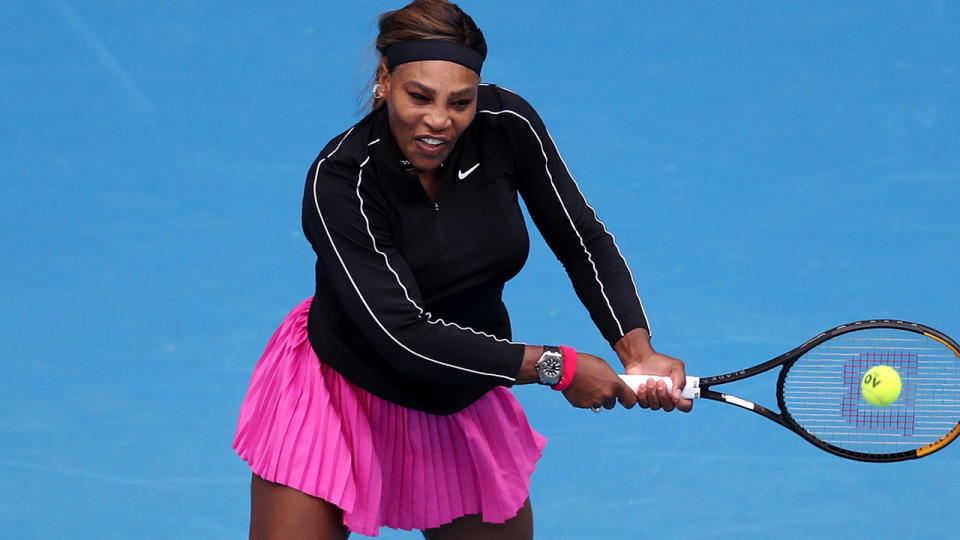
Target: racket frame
point(787, 359)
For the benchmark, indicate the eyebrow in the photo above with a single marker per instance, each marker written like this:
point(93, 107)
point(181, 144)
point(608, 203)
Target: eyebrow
point(426, 90)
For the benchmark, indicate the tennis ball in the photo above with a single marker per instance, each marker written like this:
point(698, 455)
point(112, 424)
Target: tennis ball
point(880, 385)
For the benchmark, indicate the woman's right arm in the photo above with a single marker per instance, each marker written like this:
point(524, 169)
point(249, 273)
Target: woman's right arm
point(594, 382)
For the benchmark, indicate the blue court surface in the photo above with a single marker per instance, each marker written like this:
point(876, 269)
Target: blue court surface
point(770, 170)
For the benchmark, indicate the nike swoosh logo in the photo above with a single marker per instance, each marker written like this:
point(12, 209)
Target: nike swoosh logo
point(462, 175)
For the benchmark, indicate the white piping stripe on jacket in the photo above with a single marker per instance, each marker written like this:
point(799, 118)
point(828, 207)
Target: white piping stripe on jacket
point(570, 219)
point(334, 151)
point(615, 246)
point(357, 289)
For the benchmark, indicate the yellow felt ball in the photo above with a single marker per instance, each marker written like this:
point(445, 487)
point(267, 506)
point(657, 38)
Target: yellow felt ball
point(881, 385)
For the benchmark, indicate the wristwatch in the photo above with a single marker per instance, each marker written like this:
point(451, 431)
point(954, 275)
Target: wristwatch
point(550, 365)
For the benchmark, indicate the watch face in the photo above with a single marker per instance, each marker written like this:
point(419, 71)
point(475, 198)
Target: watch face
point(552, 367)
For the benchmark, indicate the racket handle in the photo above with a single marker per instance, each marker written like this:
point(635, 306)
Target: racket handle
point(691, 390)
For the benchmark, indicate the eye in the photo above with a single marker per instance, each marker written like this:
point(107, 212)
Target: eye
point(419, 98)
point(462, 104)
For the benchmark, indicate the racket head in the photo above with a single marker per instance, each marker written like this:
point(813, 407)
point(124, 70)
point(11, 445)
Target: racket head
point(820, 397)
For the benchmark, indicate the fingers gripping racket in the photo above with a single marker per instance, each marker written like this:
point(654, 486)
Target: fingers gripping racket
point(819, 390)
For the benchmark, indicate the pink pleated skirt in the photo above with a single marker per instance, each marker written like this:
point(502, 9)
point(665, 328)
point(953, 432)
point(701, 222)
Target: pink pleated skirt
point(305, 426)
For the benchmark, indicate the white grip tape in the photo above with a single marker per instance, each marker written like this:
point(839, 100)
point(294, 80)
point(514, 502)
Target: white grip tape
point(690, 391)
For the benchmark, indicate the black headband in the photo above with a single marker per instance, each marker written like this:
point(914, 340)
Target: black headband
point(432, 49)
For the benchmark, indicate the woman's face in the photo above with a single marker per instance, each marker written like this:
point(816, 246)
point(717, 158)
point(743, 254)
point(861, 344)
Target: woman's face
point(429, 104)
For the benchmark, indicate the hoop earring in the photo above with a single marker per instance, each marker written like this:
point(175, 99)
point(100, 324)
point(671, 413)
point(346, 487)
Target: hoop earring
point(378, 91)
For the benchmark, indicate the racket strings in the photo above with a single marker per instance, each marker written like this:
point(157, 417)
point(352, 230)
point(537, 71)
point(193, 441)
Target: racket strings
point(822, 393)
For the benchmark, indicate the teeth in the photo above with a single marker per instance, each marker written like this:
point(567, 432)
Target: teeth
point(430, 140)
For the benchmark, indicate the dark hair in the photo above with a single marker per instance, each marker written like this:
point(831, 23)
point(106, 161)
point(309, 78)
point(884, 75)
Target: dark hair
point(425, 19)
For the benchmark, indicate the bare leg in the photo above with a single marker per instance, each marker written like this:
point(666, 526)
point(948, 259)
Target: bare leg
point(281, 512)
point(519, 527)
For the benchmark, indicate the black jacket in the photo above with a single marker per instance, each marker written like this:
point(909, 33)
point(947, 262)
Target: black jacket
point(408, 298)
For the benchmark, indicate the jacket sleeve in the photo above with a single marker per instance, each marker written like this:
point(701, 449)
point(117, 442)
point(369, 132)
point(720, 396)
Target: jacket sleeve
point(345, 221)
point(588, 252)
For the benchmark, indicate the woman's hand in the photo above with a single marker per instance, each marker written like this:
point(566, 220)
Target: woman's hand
point(639, 358)
point(595, 384)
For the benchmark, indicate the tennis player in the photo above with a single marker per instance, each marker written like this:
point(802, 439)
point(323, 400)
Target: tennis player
point(383, 400)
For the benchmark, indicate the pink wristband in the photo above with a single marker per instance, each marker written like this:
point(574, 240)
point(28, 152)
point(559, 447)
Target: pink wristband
point(569, 368)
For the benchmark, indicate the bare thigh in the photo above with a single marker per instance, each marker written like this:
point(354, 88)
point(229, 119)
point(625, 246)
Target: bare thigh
point(519, 527)
point(281, 512)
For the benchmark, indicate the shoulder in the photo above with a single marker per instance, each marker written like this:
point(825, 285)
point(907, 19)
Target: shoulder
point(497, 100)
point(347, 151)
point(509, 115)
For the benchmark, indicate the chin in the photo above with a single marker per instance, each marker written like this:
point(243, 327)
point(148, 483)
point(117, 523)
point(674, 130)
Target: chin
point(428, 164)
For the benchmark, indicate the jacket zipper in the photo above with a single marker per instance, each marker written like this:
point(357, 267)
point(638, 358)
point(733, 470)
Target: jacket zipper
point(436, 212)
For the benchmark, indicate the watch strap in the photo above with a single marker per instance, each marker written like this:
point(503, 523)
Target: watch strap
point(569, 368)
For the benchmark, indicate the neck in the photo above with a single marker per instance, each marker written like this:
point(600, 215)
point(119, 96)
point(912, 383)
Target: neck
point(431, 182)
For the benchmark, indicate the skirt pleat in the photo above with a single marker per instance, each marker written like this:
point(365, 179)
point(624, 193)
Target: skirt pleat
point(303, 425)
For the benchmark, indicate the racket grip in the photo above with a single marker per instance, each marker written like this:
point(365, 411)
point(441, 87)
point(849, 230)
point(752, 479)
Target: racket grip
point(691, 390)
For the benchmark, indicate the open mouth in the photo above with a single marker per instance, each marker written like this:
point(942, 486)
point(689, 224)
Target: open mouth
point(430, 145)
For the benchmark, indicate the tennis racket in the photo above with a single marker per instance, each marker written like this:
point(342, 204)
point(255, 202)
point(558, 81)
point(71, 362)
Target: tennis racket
point(819, 393)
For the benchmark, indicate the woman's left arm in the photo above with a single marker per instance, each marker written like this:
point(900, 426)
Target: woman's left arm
point(588, 252)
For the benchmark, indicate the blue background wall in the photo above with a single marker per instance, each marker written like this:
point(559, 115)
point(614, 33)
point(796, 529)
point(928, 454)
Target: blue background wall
point(770, 170)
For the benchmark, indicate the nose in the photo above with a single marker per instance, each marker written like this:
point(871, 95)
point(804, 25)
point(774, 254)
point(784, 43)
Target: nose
point(437, 119)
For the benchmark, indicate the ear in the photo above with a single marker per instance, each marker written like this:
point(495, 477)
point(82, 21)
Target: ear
point(383, 76)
